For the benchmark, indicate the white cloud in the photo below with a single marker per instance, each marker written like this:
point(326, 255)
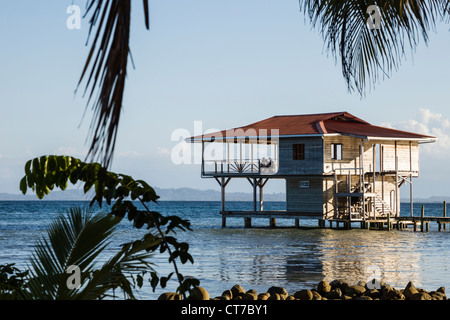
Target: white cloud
point(128, 154)
point(70, 151)
point(433, 124)
point(163, 151)
point(386, 125)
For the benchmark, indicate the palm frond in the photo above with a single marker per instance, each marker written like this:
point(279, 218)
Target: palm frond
point(107, 60)
point(368, 54)
point(75, 241)
point(131, 259)
point(105, 71)
point(79, 240)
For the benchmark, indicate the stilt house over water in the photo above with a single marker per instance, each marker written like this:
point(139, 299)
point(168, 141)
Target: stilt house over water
point(336, 166)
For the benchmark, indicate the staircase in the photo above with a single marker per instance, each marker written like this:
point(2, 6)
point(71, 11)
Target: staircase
point(357, 187)
point(382, 207)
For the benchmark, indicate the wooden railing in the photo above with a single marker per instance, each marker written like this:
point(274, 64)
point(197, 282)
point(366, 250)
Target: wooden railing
point(244, 167)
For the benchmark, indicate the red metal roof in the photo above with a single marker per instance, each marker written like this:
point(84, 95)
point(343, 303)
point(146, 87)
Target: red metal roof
point(312, 124)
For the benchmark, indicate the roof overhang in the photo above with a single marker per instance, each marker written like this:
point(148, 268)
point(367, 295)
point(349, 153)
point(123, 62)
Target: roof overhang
point(256, 138)
point(403, 139)
point(266, 139)
point(309, 126)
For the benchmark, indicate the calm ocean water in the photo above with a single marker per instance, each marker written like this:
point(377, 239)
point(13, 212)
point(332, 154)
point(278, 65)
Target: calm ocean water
point(259, 257)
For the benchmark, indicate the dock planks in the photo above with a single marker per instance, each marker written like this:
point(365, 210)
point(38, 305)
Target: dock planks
point(386, 223)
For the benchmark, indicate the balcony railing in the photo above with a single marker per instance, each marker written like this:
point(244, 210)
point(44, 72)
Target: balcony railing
point(239, 167)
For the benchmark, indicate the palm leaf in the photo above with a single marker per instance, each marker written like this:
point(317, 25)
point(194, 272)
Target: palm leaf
point(105, 71)
point(367, 54)
point(131, 259)
point(77, 240)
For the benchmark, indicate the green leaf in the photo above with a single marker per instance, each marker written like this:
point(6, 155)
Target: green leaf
point(23, 185)
point(139, 281)
point(154, 280)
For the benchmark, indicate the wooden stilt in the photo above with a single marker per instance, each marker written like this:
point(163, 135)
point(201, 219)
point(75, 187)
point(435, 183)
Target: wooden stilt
point(422, 214)
point(261, 185)
point(297, 223)
point(254, 194)
point(248, 222)
point(223, 183)
point(445, 213)
point(321, 223)
point(273, 222)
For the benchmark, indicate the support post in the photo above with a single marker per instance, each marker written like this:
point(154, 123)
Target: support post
point(411, 195)
point(261, 185)
point(203, 158)
point(248, 222)
point(336, 190)
point(411, 179)
point(222, 187)
point(445, 213)
point(349, 199)
point(273, 222)
point(373, 179)
point(223, 183)
point(361, 157)
point(297, 223)
point(396, 180)
point(254, 193)
point(422, 214)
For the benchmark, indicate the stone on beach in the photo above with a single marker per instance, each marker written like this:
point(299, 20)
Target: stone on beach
point(280, 290)
point(334, 294)
point(420, 296)
point(323, 287)
point(264, 296)
point(228, 294)
point(316, 295)
point(250, 295)
point(170, 296)
point(304, 295)
point(355, 289)
point(237, 290)
point(199, 293)
point(334, 290)
point(410, 289)
point(275, 296)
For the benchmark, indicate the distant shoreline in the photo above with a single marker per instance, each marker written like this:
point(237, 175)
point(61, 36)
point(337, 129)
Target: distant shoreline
point(180, 194)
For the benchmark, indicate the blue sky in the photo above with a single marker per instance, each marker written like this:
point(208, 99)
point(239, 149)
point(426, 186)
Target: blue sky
point(225, 63)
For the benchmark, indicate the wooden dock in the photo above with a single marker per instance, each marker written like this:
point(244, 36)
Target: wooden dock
point(421, 222)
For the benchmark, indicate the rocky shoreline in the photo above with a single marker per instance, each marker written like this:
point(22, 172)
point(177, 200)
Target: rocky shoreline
point(334, 290)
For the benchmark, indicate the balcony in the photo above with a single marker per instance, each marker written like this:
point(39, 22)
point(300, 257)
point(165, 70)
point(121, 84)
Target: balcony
point(241, 167)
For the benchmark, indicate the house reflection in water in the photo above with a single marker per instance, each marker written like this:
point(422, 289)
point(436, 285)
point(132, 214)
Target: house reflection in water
point(360, 256)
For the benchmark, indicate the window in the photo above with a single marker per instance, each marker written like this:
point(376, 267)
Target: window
point(336, 151)
point(298, 151)
point(303, 184)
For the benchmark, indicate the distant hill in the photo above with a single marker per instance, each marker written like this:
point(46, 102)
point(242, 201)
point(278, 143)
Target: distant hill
point(172, 194)
point(56, 195)
point(432, 199)
point(181, 194)
point(190, 194)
